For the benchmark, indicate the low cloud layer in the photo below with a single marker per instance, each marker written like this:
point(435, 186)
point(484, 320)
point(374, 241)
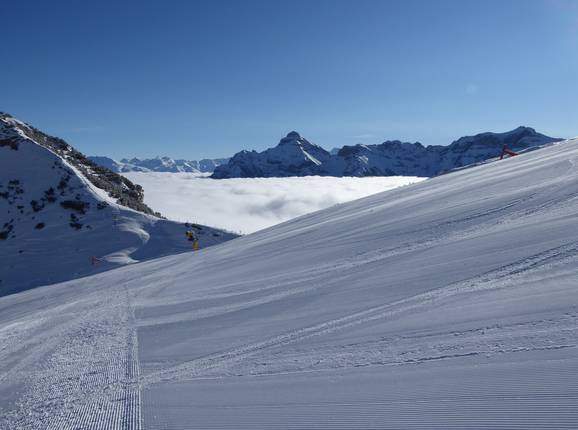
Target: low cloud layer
point(248, 205)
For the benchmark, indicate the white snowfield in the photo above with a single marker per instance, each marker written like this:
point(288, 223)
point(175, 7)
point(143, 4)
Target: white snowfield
point(246, 205)
point(448, 304)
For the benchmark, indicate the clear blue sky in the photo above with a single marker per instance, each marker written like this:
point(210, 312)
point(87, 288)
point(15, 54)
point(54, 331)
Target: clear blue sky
point(192, 79)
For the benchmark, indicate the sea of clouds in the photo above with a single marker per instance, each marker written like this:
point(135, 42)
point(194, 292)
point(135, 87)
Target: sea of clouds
point(248, 205)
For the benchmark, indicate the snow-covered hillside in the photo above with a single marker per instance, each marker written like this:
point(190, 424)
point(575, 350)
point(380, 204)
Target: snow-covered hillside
point(295, 156)
point(63, 217)
point(159, 164)
point(450, 304)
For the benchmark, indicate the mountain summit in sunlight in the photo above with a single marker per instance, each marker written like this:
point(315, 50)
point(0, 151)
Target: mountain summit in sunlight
point(158, 164)
point(293, 156)
point(296, 156)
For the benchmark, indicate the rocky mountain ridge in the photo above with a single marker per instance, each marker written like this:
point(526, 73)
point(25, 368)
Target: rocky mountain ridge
point(158, 164)
point(295, 156)
point(13, 132)
point(63, 217)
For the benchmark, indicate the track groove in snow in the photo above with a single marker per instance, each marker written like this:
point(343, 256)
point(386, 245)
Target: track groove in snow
point(102, 392)
point(494, 279)
point(539, 395)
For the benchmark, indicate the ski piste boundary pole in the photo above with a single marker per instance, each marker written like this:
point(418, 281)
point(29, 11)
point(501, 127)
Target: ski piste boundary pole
point(95, 260)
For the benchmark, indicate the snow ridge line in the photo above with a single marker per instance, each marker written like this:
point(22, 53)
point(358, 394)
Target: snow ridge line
point(494, 279)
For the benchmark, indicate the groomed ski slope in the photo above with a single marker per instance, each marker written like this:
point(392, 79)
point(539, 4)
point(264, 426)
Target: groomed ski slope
point(447, 304)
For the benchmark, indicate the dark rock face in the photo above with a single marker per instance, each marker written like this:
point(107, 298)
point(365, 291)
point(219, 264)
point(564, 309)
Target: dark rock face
point(127, 193)
point(295, 156)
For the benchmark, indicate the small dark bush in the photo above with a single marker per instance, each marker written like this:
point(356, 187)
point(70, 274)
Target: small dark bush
point(7, 229)
point(39, 226)
point(74, 222)
point(49, 194)
point(36, 206)
point(75, 205)
point(12, 143)
point(63, 182)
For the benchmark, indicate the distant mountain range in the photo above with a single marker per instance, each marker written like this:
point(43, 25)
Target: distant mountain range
point(159, 164)
point(296, 156)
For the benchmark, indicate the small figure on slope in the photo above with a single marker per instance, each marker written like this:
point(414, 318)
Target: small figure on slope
point(192, 236)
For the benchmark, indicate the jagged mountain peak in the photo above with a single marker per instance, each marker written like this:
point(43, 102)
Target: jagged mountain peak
point(293, 138)
point(292, 135)
point(293, 156)
point(523, 128)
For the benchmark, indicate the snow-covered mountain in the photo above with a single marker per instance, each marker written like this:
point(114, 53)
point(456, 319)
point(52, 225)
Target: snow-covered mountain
point(159, 164)
point(449, 304)
point(62, 216)
point(295, 156)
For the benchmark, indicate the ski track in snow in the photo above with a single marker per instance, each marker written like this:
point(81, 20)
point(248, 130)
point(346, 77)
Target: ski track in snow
point(102, 393)
point(498, 278)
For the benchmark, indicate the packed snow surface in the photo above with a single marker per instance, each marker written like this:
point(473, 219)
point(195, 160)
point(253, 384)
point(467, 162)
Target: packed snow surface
point(246, 205)
point(450, 304)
